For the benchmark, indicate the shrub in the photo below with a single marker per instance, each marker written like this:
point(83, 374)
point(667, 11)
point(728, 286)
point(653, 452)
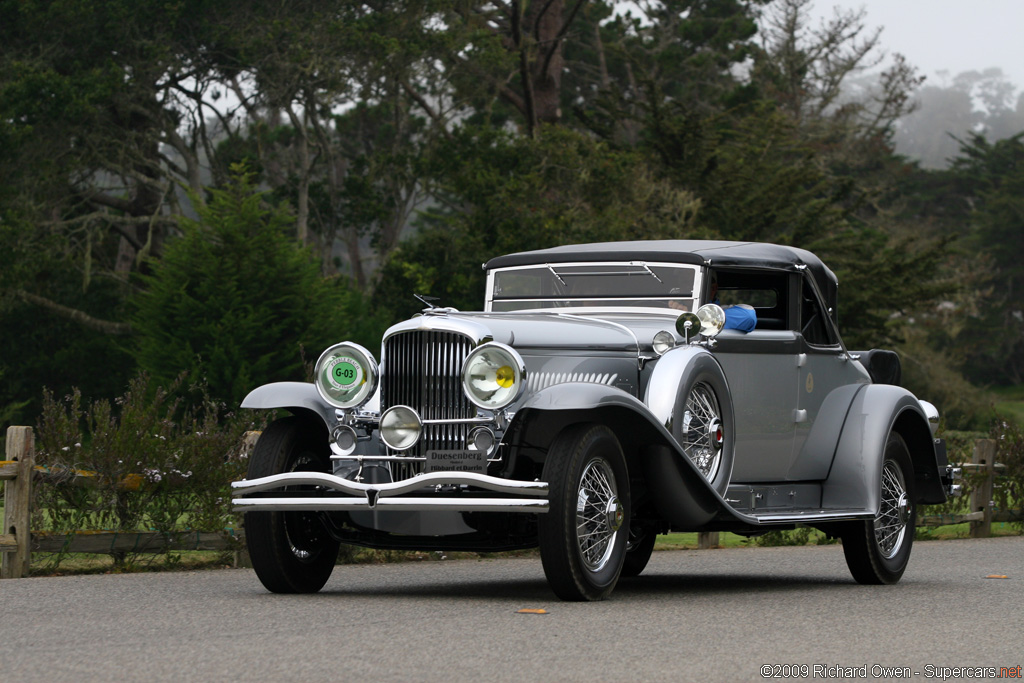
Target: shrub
point(235, 299)
point(146, 463)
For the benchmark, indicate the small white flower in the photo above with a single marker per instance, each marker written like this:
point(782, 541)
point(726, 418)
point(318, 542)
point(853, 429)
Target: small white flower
point(78, 445)
point(66, 448)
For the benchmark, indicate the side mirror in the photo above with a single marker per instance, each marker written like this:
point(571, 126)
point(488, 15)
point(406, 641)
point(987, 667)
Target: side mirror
point(709, 320)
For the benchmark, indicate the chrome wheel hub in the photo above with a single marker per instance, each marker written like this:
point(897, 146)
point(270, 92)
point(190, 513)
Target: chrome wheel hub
point(703, 433)
point(894, 512)
point(599, 514)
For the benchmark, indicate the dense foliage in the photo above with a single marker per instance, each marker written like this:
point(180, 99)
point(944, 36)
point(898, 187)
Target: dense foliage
point(392, 147)
point(235, 300)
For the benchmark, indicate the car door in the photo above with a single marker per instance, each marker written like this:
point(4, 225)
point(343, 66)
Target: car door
point(761, 368)
point(823, 366)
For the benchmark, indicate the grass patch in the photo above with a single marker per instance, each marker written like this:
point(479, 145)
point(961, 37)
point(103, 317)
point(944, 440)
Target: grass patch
point(686, 541)
point(952, 531)
point(49, 564)
point(1010, 402)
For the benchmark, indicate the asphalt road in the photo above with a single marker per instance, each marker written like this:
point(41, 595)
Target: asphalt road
point(713, 615)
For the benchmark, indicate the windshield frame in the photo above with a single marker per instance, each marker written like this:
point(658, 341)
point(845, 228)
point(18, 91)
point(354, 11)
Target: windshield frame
point(598, 304)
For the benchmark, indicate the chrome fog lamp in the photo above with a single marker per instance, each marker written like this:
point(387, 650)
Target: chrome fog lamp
point(346, 375)
point(663, 342)
point(712, 319)
point(400, 427)
point(345, 437)
point(493, 376)
point(481, 440)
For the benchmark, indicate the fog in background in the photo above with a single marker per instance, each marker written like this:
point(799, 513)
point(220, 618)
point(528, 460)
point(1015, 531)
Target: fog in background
point(972, 57)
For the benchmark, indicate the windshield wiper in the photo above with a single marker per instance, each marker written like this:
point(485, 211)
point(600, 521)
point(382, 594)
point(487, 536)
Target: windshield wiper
point(647, 268)
point(555, 273)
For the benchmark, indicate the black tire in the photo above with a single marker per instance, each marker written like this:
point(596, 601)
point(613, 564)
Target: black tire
point(290, 551)
point(877, 551)
point(585, 463)
point(639, 546)
point(695, 424)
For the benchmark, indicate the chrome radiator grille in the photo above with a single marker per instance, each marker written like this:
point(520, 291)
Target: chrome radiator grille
point(421, 369)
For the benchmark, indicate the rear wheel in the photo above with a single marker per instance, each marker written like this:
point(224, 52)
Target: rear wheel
point(639, 546)
point(290, 551)
point(583, 536)
point(877, 551)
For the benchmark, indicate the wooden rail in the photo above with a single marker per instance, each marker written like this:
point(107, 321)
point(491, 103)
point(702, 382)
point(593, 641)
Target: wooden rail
point(17, 543)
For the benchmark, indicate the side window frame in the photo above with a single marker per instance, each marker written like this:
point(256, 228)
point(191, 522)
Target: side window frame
point(812, 311)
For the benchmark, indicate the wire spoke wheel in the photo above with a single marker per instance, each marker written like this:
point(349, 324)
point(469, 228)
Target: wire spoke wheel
point(598, 515)
point(877, 551)
point(703, 433)
point(891, 522)
point(583, 536)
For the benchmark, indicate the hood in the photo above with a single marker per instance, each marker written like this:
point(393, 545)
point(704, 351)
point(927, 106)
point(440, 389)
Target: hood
point(548, 331)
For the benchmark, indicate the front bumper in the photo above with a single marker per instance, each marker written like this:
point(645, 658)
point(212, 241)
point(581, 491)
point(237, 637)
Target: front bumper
point(453, 491)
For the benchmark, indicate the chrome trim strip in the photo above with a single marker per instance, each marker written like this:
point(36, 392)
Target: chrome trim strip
point(388, 458)
point(459, 421)
point(806, 517)
point(389, 504)
point(396, 488)
point(610, 323)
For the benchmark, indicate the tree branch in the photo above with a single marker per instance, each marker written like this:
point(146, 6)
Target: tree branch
point(81, 317)
point(431, 112)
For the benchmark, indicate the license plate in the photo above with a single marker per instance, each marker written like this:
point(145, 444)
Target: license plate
point(456, 461)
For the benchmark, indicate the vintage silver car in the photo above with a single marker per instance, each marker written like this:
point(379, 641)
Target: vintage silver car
point(598, 400)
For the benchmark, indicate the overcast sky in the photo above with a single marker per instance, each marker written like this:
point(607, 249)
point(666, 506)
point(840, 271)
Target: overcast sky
point(950, 35)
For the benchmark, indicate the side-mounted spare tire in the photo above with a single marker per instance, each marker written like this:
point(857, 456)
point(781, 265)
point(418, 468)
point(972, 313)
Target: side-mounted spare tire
point(704, 423)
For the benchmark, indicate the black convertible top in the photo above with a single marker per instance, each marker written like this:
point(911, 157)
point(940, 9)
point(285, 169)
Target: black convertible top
point(714, 253)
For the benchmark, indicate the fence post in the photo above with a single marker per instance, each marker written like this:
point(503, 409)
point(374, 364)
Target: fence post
point(981, 497)
point(707, 539)
point(17, 499)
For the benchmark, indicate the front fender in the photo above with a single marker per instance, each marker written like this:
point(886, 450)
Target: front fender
point(854, 480)
point(292, 396)
point(680, 492)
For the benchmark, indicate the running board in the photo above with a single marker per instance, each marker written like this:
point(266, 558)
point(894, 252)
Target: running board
point(808, 516)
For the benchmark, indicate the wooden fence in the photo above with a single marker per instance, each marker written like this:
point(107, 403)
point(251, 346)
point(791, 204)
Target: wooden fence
point(17, 543)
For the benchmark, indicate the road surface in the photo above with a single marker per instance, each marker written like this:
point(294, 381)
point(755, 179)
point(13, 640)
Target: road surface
point(711, 615)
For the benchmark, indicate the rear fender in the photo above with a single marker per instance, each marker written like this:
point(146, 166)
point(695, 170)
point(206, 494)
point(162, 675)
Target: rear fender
point(854, 480)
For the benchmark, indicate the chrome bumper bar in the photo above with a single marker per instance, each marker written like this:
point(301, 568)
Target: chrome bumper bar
point(387, 496)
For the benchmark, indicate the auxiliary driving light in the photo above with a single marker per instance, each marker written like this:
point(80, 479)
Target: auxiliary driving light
point(400, 427)
point(663, 342)
point(481, 439)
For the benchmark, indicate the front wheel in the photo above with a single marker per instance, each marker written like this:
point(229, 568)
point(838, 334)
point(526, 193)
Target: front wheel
point(583, 536)
point(290, 551)
point(877, 551)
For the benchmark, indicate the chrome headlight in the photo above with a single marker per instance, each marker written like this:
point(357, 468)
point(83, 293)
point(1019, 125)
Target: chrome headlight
point(346, 375)
point(493, 376)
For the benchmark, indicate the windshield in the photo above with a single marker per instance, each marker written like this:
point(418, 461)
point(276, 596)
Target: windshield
point(608, 285)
